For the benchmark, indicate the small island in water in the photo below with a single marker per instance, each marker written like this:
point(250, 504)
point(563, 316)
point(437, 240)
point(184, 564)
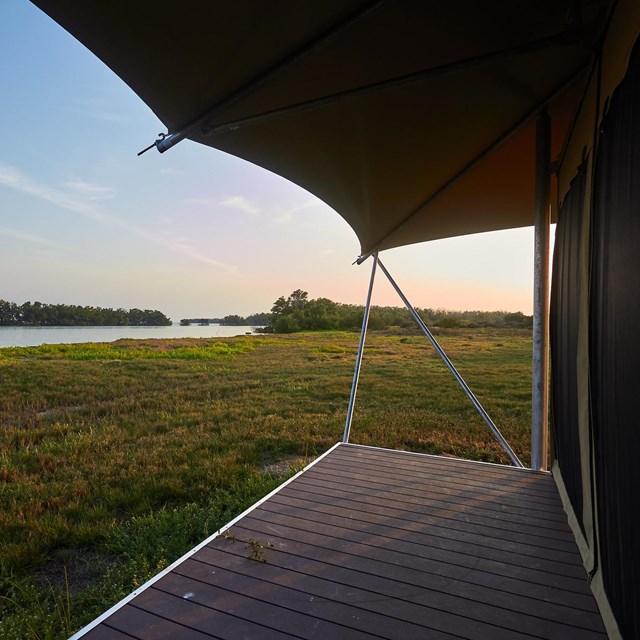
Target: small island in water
point(253, 320)
point(39, 314)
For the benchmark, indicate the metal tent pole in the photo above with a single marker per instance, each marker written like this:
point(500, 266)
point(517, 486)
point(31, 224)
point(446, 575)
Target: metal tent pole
point(363, 333)
point(454, 371)
point(540, 391)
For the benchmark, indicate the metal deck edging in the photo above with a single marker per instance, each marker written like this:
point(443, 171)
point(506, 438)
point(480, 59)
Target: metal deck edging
point(432, 455)
point(164, 572)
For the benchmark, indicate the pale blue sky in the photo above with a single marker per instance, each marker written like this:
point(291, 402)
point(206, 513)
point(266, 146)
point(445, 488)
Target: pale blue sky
point(191, 232)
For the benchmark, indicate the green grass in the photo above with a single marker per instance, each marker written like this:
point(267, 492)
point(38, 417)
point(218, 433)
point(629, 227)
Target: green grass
point(117, 458)
point(129, 349)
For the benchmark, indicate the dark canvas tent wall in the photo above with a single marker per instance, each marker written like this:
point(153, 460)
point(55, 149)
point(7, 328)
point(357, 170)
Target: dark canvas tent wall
point(414, 120)
point(595, 315)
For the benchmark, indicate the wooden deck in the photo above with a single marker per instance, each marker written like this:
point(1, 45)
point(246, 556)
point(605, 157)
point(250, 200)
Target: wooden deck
point(372, 543)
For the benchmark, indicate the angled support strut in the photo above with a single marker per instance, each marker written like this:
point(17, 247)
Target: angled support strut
point(454, 371)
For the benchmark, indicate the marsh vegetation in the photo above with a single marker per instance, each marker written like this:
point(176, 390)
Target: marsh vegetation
point(117, 458)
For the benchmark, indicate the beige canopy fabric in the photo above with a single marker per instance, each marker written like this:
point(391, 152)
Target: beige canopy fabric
point(413, 119)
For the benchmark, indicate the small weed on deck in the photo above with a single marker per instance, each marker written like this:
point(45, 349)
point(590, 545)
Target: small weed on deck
point(117, 458)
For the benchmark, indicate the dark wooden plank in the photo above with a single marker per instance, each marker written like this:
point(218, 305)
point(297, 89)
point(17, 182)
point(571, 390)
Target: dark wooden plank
point(441, 519)
point(309, 616)
point(483, 502)
point(146, 626)
point(102, 632)
point(446, 483)
point(408, 458)
point(314, 577)
point(419, 546)
point(441, 536)
point(527, 485)
point(496, 523)
point(286, 611)
point(202, 619)
point(490, 517)
point(453, 580)
point(535, 481)
point(450, 593)
point(429, 537)
point(413, 600)
point(447, 478)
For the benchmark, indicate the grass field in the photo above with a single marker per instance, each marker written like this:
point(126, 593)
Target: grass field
point(117, 458)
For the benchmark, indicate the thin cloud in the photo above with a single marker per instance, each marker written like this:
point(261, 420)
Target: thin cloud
point(75, 203)
point(242, 204)
point(103, 115)
point(189, 251)
point(15, 179)
point(209, 203)
point(285, 217)
point(231, 202)
point(89, 190)
point(98, 109)
point(27, 237)
point(107, 116)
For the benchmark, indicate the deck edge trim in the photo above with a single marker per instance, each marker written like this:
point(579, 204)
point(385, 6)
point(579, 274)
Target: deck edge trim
point(431, 455)
point(100, 619)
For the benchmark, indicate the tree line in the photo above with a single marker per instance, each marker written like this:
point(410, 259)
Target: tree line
point(288, 315)
point(233, 320)
point(298, 313)
point(68, 315)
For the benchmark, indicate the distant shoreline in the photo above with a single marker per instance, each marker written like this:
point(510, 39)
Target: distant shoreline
point(31, 336)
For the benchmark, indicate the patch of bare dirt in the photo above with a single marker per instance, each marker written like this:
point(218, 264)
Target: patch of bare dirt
point(74, 569)
point(285, 466)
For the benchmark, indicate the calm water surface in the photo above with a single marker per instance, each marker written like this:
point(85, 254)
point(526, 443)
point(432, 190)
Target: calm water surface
point(34, 336)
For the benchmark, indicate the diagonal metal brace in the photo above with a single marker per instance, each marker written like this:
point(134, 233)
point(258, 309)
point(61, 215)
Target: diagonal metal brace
point(476, 403)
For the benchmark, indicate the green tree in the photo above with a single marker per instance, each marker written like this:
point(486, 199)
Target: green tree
point(298, 299)
point(233, 320)
point(286, 324)
point(8, 313)
point(256, 319)
point(281, 307)
point(320, 313)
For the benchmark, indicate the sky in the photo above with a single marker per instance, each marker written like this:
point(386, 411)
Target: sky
point(193, 232)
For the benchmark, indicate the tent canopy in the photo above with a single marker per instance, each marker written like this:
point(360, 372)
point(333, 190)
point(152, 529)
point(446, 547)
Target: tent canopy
point(413, 120)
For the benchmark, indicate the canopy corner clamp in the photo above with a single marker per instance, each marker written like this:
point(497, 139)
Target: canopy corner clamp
point(165, 141)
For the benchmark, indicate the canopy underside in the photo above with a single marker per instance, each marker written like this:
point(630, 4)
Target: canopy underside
point(413, 120)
